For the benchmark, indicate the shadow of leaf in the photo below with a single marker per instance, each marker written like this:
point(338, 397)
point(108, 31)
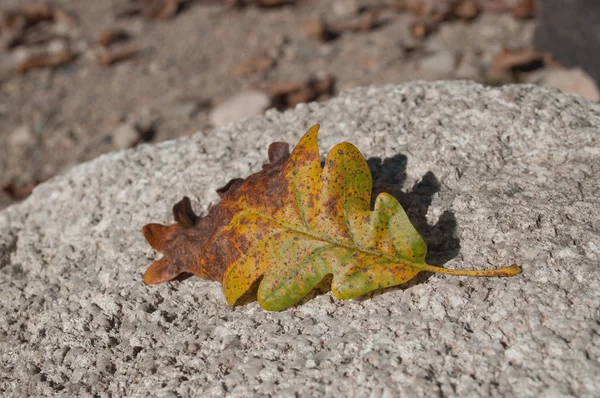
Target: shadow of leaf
point(389, 175)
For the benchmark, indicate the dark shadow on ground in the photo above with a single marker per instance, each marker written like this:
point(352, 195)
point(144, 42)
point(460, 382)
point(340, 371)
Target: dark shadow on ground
point(389, 175)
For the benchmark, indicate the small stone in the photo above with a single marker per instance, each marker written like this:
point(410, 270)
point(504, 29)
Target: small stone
point(21, 137)
point(57, 47)
point(125, 136)
point(188, 109)
point(241, 105)
point(345, 8)
point(573, 81)
point(441, 63)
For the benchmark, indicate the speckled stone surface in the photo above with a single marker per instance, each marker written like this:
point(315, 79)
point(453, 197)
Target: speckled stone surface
point(490, 176)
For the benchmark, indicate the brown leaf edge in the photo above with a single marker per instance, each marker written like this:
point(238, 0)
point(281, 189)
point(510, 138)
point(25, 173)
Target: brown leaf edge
point(179, 242)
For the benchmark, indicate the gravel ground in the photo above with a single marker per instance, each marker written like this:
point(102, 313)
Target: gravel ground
point(53, 118)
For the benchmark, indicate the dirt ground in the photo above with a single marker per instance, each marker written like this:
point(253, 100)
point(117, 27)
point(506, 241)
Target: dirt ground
point(169, 68)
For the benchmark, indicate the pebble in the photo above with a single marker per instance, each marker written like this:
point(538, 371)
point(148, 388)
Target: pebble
point(467, 70)
point(441, 62)
point(188, 109)
point(241, 105)
point(345, 8)
point(22, 136)
point(126, 135)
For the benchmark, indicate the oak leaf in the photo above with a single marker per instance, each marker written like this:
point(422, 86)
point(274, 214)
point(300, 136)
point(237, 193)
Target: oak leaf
point(292, 224)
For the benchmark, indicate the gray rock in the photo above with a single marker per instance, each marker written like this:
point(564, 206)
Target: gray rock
point(241, 105)
point(490, 176)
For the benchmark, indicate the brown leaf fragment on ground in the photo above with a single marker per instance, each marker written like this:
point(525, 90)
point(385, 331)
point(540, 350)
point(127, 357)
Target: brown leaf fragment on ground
point(466, 10)
point(110, 36)
point(319, 29)
point(289, 94)
point(152, 9)
point(18, 191)
point(423, 27)
point(274, 3)
point(33, 24)
point(524, 9)
point(362, 23)
point(110, 56)
point(511, 61)
point(48, 57)
point(260, 3)
point(439, 10)
point(32, 14)
point(495, 6)
point(255, 65)
point(199, 101)
point(38, 35)
point(28, 15)
point(432, 9)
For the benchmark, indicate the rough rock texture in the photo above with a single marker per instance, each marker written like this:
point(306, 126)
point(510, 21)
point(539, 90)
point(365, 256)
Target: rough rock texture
point(490, 176)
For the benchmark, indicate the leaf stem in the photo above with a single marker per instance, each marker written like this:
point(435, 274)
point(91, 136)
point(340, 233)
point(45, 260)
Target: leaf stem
point(506, 271)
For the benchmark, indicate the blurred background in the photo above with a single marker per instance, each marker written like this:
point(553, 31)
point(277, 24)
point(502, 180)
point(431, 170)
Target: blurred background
point(79, 78)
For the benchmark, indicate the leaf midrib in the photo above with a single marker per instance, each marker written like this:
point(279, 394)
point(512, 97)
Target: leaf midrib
point(326, 239)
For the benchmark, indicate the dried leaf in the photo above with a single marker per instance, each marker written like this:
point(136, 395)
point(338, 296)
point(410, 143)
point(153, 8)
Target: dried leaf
point(199, 101)
point(253, 66)
point(291, 225)
point(363, 23)
point(23, 25)
point(524, 9)
point(110, 56)
point(439, 10)
point(466, 10)
point(326, 31)
point(260, 3)
point(110, 36)
point(274, 3)
point(160, 9)
point(45, 59)
point(496, 6)
point(289, 94)
point(36, 36)
point(19, 191)
point(33, 14)
point(423, 27)
point(36, 13)
point(517, 60)
point(152, 9)
point(320, 30)
point(435, 10)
